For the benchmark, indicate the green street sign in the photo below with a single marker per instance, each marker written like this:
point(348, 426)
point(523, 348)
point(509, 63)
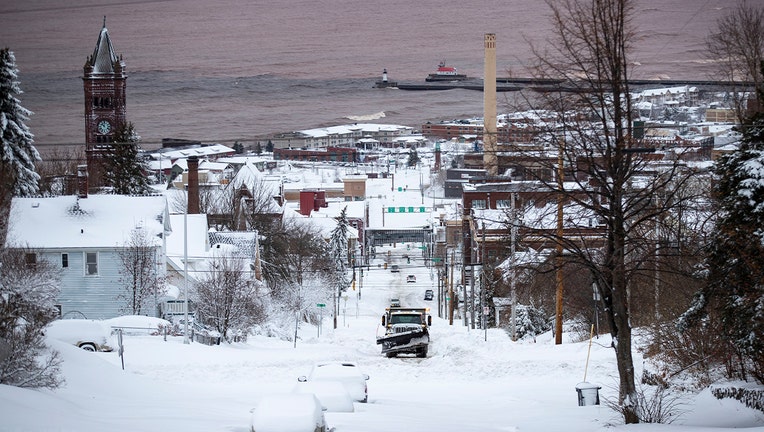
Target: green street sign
point(321, 304)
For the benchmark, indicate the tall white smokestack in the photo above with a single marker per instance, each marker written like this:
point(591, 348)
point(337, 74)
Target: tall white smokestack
point(490, 158)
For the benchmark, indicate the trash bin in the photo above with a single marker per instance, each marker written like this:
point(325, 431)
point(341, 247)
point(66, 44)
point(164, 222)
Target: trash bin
point(588, 394)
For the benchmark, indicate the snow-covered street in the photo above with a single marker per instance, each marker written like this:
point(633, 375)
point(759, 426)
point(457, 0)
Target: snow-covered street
point(466, 383)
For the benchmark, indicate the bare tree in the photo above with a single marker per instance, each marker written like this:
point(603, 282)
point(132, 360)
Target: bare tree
point(737, 45)
point(257, 207)
point(235, 206)
point(58, 170)
point(138, 272)
point(227, 296)
point(301, 298)
point(599, 172)
point(28, 289)
point(290, 251)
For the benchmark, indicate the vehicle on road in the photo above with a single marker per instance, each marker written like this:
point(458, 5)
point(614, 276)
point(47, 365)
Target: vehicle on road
point(90, 335)
point(348, 373)
point(288, 413)
point(395, 268)
point(410, 279)
point(428, 294)
point(395, 302)
point(406, 331)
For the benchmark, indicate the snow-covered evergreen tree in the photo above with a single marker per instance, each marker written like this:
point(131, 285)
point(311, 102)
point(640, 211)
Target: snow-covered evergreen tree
point(125, 169)
point(734, 296)
point(338, 250)
point(18, 155)
point(413, 158)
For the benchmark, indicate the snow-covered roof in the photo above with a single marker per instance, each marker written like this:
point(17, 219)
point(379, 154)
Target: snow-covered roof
point(324, 225)
point(251, 177)
point(204, 165)
point(355, 209)
point(200, 151)
point(668, 90)
point(98, 221)
point(348, 129)
point(242, 160)
point(195, 238)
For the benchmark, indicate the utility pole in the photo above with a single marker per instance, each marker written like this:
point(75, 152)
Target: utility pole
point(513, 235)
point(483, 299)
point(472, 295)
point(560, 197)
point(451, 293)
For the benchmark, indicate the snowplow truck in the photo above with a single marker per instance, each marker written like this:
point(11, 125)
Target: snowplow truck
point(406, 331)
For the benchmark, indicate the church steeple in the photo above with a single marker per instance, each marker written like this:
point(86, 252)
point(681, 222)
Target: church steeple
point(104, 60)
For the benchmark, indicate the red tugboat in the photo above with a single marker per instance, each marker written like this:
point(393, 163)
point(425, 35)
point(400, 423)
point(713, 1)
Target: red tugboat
point(445, 73)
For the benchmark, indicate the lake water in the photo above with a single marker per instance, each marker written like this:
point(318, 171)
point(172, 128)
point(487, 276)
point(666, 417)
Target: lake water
point(226, 70)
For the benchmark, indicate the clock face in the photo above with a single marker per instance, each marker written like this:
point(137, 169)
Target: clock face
point(104, 127)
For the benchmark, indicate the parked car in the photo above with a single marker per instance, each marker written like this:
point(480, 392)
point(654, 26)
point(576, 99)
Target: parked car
point(288, 413)
point(410, 278)
point(395, 268)
point(428, 294)
point(348, 373)
point(90, 335)
point(332, 395)
point(394, 302)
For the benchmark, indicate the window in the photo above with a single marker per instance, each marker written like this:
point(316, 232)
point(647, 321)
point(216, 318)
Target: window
point(503, 203)
point(91, 264)
point(30, 259)
point(478, 204)
point(64, 260)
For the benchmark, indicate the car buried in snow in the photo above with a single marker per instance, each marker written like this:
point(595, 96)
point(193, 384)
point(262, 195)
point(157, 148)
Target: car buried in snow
point(348, 373)
point(292, 412)
point(90, 335)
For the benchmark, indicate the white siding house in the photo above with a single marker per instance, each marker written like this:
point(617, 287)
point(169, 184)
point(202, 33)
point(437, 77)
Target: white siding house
point(84, 236)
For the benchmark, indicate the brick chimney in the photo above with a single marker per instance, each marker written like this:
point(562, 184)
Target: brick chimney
point(82, 181)
point(437, 156)
point(193, 185)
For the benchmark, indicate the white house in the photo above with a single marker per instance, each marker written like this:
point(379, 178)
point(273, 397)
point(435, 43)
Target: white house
point(84, 237)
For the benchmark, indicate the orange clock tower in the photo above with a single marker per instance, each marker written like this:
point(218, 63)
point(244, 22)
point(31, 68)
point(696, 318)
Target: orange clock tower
point(104, 81)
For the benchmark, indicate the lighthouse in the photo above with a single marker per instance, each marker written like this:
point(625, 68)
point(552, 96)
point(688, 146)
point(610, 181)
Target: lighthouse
point(384, 83)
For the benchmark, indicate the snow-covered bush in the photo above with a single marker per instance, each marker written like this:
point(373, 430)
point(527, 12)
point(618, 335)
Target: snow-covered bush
point(530, 322)
point(652, 404)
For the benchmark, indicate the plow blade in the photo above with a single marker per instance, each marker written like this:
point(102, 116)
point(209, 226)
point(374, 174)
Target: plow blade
point(408, 342)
